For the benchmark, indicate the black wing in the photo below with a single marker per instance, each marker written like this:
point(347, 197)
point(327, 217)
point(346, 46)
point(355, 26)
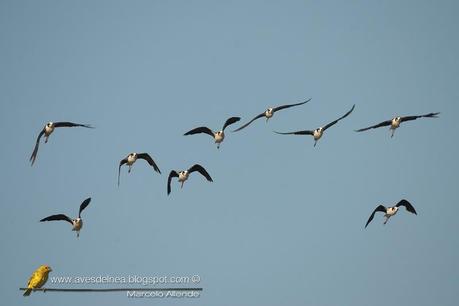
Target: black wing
point(379, 208)
point(408, 118)
point(230, 121)
point(384, 123)
point(201, 129)
point(245, 125)
point(59, 217)
point(150, 160)
point(172, 174)
point(122, 162)
point(296, 133)
point(83, 206)
point(35, 150)
point(289, 105)
point(407, 205)
point(344, 116)
point(71, 124)
point(201, 170)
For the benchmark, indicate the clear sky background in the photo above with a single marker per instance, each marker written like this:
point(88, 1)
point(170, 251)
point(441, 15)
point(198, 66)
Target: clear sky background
point(283, 222)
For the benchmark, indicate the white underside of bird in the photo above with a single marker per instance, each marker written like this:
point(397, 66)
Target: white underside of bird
point(395, 123)
point(49, 129)
point(391, 211)
point(183, 176)
point(77, 225)
point(132, 158)
point(269, 113)
point(219, 137)
point(317, 134)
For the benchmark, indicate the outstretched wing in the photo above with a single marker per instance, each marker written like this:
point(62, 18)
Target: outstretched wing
point(340, 118)
point(247, 124)
point(384, 123)
point(381, 208)
point(35, 150)
point(71, 124)
point(307, 132)
point(59, 217)
point(83, 206)
point(172, 174)
point(201, 170)
point(201, 129)
point(122, 162)
point(150, 160)
point(430, 115)
point(289, 105)
point(230, 121)
point(407, 205)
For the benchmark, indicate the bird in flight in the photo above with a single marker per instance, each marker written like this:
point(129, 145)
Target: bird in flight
point(37, 279)
point(183, 175)
point(48, 129)
point(317, 133)
point(395, 122)
point(132, 158)
point(391, 211)
point(269, 113)
point(218, 136)
point(77, 223)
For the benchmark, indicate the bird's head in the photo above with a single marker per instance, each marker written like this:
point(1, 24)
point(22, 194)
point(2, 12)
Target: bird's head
point(50, 124)
point(45, 269)
point(269, 110)
point(397, 119)
point(219, 133)
point(133, 155)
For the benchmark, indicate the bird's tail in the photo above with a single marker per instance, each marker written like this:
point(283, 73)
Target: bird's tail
point(27, 292)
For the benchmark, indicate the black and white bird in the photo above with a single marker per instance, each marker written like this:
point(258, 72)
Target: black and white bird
point(218, 136)
point(269, 113)
point(132, 158)
point(391, 211)
point(317, 133)
point(77, 223)
point(48, 129)
point(183, 175)
point(395, 122)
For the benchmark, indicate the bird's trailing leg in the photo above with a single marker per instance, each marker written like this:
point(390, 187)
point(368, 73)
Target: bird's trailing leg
point(181, 186)
point(315, 143)
point(46, 139)
point(129, 170)
point(392, 133)
point(78, 234)
point(387, 219)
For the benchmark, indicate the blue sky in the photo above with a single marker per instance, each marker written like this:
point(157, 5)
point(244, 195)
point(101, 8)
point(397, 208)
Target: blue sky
point(283, 222)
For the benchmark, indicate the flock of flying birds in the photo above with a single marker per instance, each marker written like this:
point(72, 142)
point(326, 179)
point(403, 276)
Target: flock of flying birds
point(218, 137)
